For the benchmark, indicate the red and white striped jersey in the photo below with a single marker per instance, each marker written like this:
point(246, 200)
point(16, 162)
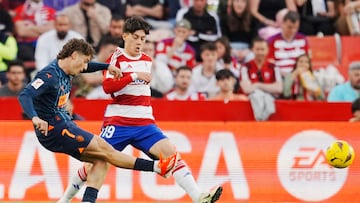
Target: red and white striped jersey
point(185, 55)
point(131, 105)
point(284, 53)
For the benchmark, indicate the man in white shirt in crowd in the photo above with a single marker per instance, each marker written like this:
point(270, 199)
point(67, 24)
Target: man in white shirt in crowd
point(50, 43)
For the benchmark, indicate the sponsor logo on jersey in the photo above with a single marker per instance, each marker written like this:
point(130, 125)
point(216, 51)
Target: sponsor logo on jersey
point(37, 83)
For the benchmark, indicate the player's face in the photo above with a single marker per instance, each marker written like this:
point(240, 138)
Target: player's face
point(183, 79)
point(79, 63)
point(134, 42)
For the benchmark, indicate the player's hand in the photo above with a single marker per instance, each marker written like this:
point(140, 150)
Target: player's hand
point(144, 76)
point(116, 72)
point(40, 125)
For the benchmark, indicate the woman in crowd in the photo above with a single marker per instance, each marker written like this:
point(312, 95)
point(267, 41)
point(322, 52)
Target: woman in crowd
point(301, 84)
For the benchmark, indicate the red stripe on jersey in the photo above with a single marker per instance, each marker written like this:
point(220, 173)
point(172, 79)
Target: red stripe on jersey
point(124, 121)
point(132, 100)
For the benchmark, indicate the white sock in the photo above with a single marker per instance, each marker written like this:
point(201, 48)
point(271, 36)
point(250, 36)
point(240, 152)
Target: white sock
point(185, 180)
point(156, 168)
point(76, 182)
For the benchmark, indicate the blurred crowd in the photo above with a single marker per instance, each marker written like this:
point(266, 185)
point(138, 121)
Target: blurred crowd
point(254, 50)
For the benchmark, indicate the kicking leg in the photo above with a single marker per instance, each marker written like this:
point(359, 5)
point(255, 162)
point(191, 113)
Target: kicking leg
point(183, 176)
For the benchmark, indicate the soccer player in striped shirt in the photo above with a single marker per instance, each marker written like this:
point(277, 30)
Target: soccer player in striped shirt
point(129, 119)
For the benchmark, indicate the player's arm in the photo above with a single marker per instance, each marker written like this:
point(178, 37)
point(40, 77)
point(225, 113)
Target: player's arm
point(33, 90)
point(96, 66)
point(111, 85)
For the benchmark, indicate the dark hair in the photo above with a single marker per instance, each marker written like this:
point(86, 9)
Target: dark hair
point(355, 106)
point(15, 62)
point(106, 40)
point(257, 39)
point(239, 23)
point(117, 17)
point(227, 55)
point(293, 16)
point(224, 74)
point(134, 23)
point(297, 60)
point(181, 68)
point(78, 45)
point(208, 46)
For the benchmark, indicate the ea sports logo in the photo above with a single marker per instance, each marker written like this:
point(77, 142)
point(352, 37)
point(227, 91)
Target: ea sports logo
point(303, 170)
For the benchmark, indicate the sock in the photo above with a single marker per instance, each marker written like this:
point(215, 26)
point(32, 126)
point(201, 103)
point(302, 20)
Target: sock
point(143, 165)
point(76, 182)
point(90, 195)
point(185, 180)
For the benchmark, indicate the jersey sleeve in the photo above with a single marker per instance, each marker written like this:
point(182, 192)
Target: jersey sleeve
point(34, 89)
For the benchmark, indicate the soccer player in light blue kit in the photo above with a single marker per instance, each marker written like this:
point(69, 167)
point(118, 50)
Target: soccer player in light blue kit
point(44, 99)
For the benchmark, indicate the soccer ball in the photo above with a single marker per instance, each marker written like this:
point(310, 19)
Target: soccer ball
point(340, 154)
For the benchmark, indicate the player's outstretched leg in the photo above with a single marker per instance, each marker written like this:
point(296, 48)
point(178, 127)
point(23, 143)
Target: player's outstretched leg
point(163, 167)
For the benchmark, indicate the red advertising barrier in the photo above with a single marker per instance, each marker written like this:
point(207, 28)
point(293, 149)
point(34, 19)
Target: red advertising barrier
point(254, 161)
point(204, 110)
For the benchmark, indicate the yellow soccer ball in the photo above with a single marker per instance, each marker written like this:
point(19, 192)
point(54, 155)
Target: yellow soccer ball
point(340, 154)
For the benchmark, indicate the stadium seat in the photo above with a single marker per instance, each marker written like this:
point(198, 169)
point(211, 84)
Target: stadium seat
point(323, 51)
point(350, 52)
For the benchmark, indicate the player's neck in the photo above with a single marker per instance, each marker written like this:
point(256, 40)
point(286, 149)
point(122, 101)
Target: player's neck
point(64, 64)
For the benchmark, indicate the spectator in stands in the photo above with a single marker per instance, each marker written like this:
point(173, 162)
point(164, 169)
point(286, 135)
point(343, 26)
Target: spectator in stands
point(269, 31)
point(90, 19)
point(115, 29)
point(355, 110)
point(225, 58)
point(226, 80)
point(317, 16)
point(10, 5)
point(151, 10)
point(117, 7)
point(352, 12)
point(31, 20)
point(50, 43)
point(259, 73)
point(300, 84)
point(203, 79)
point(89, 85)
point(6, 23)
point(181, 90)
point(8, 44)
point(162, 79)
point(265, 11)
point(176, 52)
point(350, 90)
point(286, 46)
point(16, 80)
point(239, 26)
point(205, 25)
point(59, 5)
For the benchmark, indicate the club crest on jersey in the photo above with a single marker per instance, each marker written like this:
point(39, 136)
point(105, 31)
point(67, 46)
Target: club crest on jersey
point(37, 83)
